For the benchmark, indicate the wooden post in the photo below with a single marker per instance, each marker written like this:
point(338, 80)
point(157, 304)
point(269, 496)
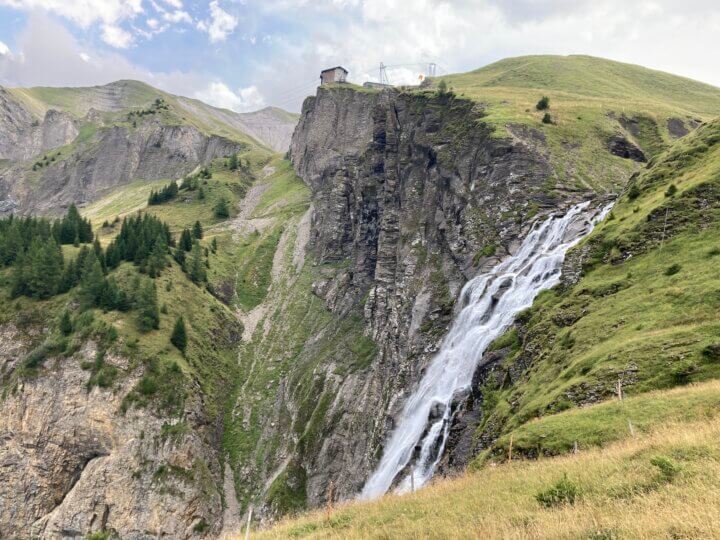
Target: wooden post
point(619, 389)
point(247, 530)
point(575, 448)
point(510, 448)
point(412, 480)
point(632, 429)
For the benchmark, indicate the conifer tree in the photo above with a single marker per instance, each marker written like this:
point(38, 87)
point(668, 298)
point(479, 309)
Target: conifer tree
point(185, 240)
point(221, 208)
point(196, 267)
point(197, 231)
point(92, 282)
point(179, 335)
point(66, 326)
point(147, 305)
point(17, 280)
point(233, 162)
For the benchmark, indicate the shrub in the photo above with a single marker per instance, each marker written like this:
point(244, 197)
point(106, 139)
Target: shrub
point(672, 190)
point(547, 119)
point(560, 493)
point(673, 269)
point(633, 192)
point(712, 352)
point(442, 87)
point(66, 326)
point(543, 104)
point(668, 469)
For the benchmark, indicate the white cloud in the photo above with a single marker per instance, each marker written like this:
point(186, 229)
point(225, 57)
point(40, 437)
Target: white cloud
point(177, 16)
point(83, 12)
point(116, 36)
point(220, 25)
point(85, 56)
point(152, 23)
point(4, 49)
point(177, 4)
point(220, 95)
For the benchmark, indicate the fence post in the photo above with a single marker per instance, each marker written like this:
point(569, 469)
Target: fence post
point(412, 480)
point(510, 448)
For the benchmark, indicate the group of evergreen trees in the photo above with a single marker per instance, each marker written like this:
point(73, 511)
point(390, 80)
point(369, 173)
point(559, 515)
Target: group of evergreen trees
point(18, 234)
point(32, 248)
point(167, 193)
point(189, 254)
point(143, 240)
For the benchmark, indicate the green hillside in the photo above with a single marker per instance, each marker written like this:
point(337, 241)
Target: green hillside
point(591, 101)
point(663, 483)
point(645, 312)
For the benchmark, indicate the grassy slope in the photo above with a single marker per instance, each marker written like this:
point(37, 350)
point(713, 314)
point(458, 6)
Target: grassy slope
point(662, 484)
point(630, 318)
point(583, 91)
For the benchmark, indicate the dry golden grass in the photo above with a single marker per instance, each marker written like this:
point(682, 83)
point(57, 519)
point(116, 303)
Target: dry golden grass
point(622, 495)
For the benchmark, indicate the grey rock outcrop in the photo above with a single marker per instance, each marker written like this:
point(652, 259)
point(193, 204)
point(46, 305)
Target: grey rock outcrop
point(24, 136)
point(116, 156)
point(413, 195)
point(72, 464)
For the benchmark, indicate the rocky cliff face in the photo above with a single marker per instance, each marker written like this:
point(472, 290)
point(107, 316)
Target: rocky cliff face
point(412, 195)
point(114, 156)
point(80, 154)
point(24, 136)
point(71, 463)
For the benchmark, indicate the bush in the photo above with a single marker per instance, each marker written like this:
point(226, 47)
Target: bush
point(672, 190)
point(543, 104)
point(547, 119)
point(712, 352)
point(673, 269)
point(633, 192)
point(560, 493)
point(668, 469)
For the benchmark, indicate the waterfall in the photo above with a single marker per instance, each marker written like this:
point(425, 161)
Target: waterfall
point(489, 304)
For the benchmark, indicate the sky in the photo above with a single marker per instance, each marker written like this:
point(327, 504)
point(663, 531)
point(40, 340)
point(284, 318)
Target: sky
point(247, 54)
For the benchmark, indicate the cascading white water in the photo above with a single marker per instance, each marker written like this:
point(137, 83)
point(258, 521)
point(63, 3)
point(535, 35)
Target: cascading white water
point(490, 302)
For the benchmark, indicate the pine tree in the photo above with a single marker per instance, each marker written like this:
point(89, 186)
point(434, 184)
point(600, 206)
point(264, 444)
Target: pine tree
point(147, 305)
point(156, 261)
point(197, 231)
point(17, 281)
point(44, 268)
point(185, 240)
point(66, 326)
point(92, 282)
point(196, 267)
point(221, 208)
point(213, 245)
point(179, 335)
point(233, 162)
